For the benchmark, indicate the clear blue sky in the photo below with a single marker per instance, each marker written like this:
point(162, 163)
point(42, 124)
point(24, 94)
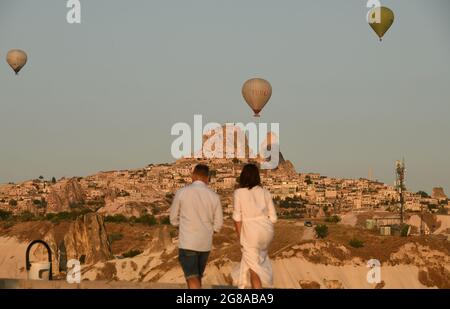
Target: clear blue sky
point(104, 94)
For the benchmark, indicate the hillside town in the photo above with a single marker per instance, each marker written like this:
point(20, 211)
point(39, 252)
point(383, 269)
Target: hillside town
point(150, 190)
point(116, 224)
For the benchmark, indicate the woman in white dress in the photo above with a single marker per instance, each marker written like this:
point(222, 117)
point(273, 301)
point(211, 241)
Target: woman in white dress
point(254, 215)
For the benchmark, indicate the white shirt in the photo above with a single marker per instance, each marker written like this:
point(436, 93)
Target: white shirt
point(254, 203)
point(197, 211)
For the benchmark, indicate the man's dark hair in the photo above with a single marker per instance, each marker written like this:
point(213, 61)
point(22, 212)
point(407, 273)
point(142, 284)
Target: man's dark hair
point(201, 170)
point(249, 177)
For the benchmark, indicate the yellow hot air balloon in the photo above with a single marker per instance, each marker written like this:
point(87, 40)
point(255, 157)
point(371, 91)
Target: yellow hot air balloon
point(380, 19)
point(16, 59)
point(257, 93)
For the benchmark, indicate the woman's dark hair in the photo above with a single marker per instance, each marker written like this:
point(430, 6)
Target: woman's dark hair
point(249, 177)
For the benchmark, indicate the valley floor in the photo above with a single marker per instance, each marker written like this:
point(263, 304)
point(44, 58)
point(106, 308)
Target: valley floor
point(299, 259)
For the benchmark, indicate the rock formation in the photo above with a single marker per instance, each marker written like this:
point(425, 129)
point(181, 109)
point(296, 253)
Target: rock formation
point(65, 196)
point(84, 239)
point(218, 141)
point(87, 240)
point(126, 208)
point(438, 193)
point(286, 167)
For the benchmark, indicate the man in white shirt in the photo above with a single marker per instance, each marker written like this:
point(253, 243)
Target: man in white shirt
point(197, 211)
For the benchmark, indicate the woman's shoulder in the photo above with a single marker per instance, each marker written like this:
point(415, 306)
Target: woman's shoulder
point(266, 192)
point(257, 189)
point(240, 191)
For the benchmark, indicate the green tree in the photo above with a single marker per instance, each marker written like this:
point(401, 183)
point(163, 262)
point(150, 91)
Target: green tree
point(404, 230)
point(308, 180)
point(165, 220)
point(26, 216)
point(333, 219)
point(321, 230)
point(423, 194)
point(356, 243)
point(147, 220)
point(131, 253)
point(5, 215)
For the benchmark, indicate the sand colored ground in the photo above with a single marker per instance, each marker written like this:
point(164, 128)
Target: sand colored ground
point(12, 258)
point(299, 259)
point(297, 263)
point(444, 221)
point(293, 272)
point(349, 219)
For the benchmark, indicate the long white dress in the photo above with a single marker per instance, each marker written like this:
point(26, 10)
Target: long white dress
point(255, 209)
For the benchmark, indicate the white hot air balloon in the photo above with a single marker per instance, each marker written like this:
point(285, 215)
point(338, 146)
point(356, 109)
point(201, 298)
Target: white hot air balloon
point(257, 93)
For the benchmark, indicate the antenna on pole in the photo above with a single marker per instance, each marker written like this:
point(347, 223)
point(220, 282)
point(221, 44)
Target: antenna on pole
point(400, 170)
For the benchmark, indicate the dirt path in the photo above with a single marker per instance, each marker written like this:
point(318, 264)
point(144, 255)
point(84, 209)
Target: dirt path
point(308, 234)
point(349, 219)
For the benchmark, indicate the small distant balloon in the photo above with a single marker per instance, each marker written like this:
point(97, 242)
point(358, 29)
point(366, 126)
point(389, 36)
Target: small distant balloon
point(381, 20)
point(16, 59)
point(257, 93)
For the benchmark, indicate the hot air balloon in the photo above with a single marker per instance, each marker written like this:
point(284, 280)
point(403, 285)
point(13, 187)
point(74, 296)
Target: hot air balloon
point(257, 93)
point(380, 19)
point(16, 59)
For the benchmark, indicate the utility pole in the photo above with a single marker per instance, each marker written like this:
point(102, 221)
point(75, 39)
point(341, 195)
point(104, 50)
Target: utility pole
point(421, 220)
point(400, 184)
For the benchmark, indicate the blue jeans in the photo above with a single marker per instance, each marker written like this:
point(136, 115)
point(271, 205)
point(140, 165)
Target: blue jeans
point(193, 263)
